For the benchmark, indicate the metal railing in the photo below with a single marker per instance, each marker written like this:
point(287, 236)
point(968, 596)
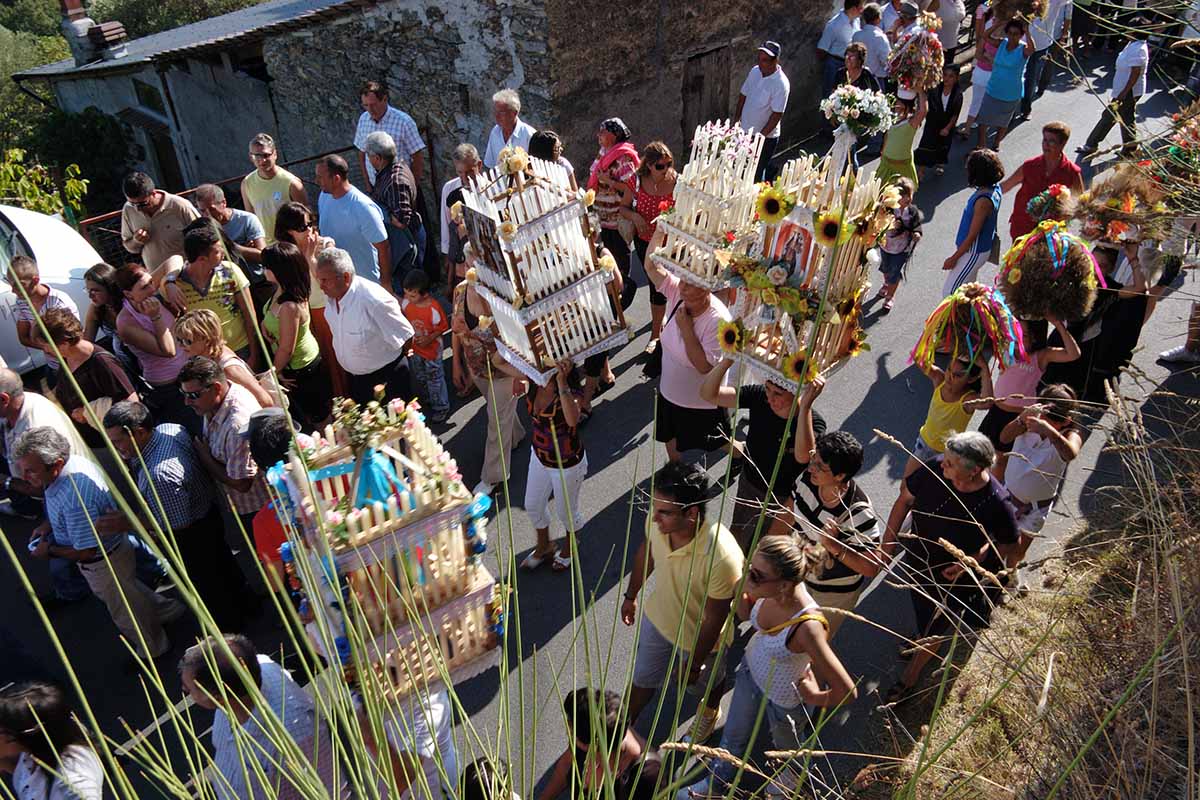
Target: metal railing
point(103, 231)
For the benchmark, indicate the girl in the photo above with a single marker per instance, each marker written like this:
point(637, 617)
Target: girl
point(977, 227)
point(899, 242)
point(896, 157)
point(981, 72)
point(945, 104)
point(655, 194)
point(558, 460)
point(957, 393)
point(100, 319)
point(199, 334)
point(1017, 387)
point(36, 728)
point(788, 660)
point(287, 327)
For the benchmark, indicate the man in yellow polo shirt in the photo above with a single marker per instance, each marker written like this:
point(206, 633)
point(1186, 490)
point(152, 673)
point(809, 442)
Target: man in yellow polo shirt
point(697, 564)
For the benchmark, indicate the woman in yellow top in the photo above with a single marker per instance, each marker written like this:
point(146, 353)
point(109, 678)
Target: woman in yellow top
point(958, 392)
point(286, 327)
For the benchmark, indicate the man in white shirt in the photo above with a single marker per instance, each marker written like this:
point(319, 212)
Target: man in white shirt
point(762, 102)
point(466, 163)
point(1046, 31)
point(836, 36)
point(370, 332)
point(510, 130)
point(378, 115)
point(1129, 84)
point(872, 37)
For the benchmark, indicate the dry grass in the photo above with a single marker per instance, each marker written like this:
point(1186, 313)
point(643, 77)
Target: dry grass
point(1108, 706)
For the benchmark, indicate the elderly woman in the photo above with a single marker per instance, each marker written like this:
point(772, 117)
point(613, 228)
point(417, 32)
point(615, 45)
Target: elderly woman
point(958, 510)
point(100, 376)
point(855, 72)
point(44, 748)
point(199, 334)
point(146, 327)
point(691, 348)
point(466, 163)
point(395, 192)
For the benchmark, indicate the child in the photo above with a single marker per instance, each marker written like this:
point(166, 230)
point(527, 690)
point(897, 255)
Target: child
point(1016, 387)
point(1044, 438)
point(899, 243)
point(896, 157)
point(425, 353)
point(958, 392)
point(24, 271)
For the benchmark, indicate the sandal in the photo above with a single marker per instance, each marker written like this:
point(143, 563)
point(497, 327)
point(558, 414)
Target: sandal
point(561, 563)
point(533, 560)
point(650, 347)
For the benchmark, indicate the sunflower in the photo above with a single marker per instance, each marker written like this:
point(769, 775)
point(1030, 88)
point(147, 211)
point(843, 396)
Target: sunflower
point(731, 336)
point(772, 206)
point(829, 225)
point(795, 366)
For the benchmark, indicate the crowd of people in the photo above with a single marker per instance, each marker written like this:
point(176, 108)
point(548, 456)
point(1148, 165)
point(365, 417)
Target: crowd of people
point(191, 357)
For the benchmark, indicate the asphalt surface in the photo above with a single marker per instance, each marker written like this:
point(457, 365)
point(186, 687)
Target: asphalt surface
point(547, 651)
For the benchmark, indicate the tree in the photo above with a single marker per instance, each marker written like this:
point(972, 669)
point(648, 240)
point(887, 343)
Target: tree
point(18, 52)
point(39, 17)
point(98, 143)
point(32, 186)
point(142, 18)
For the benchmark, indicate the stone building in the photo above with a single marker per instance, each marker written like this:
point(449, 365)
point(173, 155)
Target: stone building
point(194, 96)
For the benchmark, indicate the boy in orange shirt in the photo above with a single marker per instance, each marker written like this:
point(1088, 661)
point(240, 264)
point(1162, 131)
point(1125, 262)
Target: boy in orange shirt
point(425, 354)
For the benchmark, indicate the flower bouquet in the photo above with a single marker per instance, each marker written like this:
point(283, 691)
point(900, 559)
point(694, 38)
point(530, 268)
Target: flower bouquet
point(1126, 205)
point(1056, 204)
point(916, 61)
point(864, 113)
point(1049, 273)
point(965, 323)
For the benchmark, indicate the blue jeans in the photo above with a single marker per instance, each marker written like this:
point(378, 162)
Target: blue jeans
point(829, 71)
point(429, 381)
point(1033, 73)
point(739, 726)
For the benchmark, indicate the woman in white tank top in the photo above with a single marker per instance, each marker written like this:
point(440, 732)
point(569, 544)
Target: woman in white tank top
point(788, 662)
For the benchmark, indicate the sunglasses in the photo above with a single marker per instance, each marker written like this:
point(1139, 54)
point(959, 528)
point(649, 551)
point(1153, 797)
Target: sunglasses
point(260, 156)
point(194, 395)
point(754, 576)
point(661, 166)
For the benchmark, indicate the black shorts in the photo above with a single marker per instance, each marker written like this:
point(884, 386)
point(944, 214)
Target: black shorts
point(705, 429)
point(961, 603)
point(994, 421)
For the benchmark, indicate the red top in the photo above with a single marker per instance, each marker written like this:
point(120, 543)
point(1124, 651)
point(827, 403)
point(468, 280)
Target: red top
point(1034, 181)
point(650, 206)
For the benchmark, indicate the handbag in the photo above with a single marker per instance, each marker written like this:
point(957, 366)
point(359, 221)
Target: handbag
point(267, 381)
point(653, 366)
point(994, 255)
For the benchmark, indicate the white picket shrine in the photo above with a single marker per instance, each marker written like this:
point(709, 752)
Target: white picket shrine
point(537, 268)
point(714, 197)
point(404, 578)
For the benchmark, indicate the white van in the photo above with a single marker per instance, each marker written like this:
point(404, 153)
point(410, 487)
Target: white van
point(62, 256)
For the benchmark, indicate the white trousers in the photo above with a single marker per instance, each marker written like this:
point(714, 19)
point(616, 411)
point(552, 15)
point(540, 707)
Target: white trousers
point(979, 82)
point(966, 269)
point(544, 482)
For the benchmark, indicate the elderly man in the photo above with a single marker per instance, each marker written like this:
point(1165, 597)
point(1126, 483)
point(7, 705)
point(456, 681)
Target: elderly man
point(370, 332)
point(245, 735)
point(379, 115)
point(242, 228)
point(762, 102)
point(180, 497)
point(76, 499)
point(395, 192)
point(21, 411)
point(354, 221)
point(269, 186)
point(466, 163)
point(152, 221)
point(835, 38)
point(510, 130)
point(224, 450)
point(953, 499)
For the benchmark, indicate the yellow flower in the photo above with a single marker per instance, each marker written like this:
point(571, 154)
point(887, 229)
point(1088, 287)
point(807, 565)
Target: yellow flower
point(485, 322)
point(607, 262)
point(472, 275)
point(508, 230)
point(456, 212)
point(772, 206)
point(829, 225)
point(770, 297)
point(795, 365)
point(1014, 277)
point(589, 197)
point(516, 161)
point(890, 197)
point(730, 336)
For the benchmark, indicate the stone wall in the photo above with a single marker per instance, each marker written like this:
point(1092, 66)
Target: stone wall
point(632, 63)
point(442, 62)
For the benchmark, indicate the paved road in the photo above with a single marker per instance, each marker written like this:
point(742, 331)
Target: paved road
point(547, 652)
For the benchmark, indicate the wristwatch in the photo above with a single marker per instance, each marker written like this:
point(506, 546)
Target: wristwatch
point(171, 277)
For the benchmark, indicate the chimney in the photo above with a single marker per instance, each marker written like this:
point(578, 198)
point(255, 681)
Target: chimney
point(109, 38)
point(89, 41)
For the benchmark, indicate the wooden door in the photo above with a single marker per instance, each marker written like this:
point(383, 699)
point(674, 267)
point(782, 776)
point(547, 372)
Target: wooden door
point(705, 90)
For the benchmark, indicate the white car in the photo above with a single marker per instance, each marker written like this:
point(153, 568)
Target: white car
point(62, 256)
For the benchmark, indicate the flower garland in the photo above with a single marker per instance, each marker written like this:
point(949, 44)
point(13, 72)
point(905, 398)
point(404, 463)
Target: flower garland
point(974, 315)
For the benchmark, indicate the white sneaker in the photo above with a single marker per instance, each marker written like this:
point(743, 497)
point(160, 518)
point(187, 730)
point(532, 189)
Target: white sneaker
point(483, 487)
point(1180, 355)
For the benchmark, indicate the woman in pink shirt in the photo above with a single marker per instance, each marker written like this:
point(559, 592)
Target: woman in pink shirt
point(145, 326)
